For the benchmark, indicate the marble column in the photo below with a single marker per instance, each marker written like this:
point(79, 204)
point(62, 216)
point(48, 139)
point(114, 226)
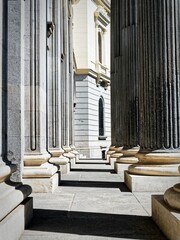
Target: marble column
point(37, 172)
point(14, 200)
point(159, 93)
point(124, 80)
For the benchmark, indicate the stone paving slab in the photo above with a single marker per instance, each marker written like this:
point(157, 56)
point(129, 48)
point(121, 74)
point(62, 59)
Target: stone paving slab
point(92, 205)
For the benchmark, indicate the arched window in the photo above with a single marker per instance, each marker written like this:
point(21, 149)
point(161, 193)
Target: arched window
point(100, 46)
point(101, 117)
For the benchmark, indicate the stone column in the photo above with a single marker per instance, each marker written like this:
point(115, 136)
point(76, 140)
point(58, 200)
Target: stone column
point(116, 117)
point(54, 87)
point(12, 192)
point(65, 89)
point(40, 174)
point(124, 81)
point(66, 84)
point(159, 94)
point(72, 86)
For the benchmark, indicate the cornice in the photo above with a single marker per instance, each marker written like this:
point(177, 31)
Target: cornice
point(105, 4)
point(101, 79)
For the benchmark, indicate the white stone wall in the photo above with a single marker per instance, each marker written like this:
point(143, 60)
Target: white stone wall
point(86, 117)
point(80, 33)
point(87, 93)
point(85, 38)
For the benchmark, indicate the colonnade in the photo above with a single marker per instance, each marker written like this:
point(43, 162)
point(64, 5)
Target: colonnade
point(145, 96)
point(36, 98)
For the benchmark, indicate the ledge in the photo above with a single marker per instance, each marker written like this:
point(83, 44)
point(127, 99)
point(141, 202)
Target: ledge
point(102, 138)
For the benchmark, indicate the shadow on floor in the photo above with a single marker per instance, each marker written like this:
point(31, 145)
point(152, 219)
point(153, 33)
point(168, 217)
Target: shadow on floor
point(95, 184)
point(95, 224)
point(93, 163)
point(91, 170)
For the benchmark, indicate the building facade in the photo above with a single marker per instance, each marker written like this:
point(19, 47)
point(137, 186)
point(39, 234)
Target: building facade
point(91, 35)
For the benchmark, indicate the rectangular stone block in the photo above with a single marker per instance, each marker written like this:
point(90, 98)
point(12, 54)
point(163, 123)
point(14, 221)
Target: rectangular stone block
point(120, 168)
point(13, 225)
point(73, 162)
point(28, 210)
point(141, 183)
point(112, 161)
point(65, 169)
point(43, 185)
point(167, 219)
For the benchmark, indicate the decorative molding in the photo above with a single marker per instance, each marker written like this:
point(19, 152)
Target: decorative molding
point(101, 79)
point(101, 17)
point(105, 4)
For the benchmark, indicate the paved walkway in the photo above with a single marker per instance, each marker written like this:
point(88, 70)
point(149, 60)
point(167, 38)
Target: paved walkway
point(92, 203)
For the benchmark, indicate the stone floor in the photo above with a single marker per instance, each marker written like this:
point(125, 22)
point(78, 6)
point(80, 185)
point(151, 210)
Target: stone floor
point(92, 203)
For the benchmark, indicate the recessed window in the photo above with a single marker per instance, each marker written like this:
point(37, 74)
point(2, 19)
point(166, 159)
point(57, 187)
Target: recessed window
point(101, 117)
point(100, 46)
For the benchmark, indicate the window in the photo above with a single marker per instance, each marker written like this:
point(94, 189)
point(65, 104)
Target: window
point(101, 117)
point(100, 47)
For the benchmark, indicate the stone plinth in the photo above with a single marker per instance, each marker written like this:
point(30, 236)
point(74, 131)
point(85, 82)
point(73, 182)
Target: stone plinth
point(166, 218)
point(15, 206)
point(126, 160)
point(143, 183)
point(42, 178)
point(13, 225)
point(43, 185)
point(120, 168)
point(72, 158)
point(113, 157)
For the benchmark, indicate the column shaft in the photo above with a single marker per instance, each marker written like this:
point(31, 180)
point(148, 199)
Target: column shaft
point(159, 75)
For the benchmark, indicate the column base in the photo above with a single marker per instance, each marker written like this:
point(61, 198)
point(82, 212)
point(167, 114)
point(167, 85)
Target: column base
point(42, 178)
point(36, 159)
point(63, 163)
point(122, 164)
point(114, 157)
point(56, 152)
point(72, 158)
point(13, 225)
point(43, 185)
point(113, 150)
point(167, 219)
point(143, 183)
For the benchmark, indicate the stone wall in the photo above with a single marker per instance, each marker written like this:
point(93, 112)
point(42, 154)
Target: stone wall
point(86, 117)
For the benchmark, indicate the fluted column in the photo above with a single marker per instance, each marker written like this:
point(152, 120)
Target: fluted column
point(124, 79)
point(65, 80)
point(159, 92)
point(36, 145)
point(116, 113)
point(12, 191)
point(54, 79)
point(71, 78)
